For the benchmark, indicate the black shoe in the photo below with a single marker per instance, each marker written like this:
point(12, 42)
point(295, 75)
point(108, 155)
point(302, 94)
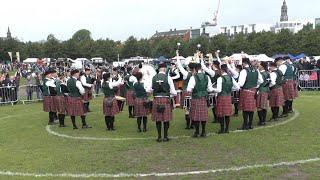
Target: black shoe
point(86, 127)
point(75, 127)
point(250, 127)
point(226, 131)
point(187, 128)
point(159, 140)
point(139, 131)
point(62, 126)
point(166, 139)
point(51, 123)
point(283, 116)
point(191, 127)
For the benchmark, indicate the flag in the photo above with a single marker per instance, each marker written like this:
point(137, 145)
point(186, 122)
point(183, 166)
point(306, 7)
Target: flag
point(18, 56)
point(10, 55)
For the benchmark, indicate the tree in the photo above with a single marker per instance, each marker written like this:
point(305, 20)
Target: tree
point(130, 48)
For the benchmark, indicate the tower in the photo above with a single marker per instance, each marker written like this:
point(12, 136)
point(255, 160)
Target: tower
point(9, 34)
point(284, 12)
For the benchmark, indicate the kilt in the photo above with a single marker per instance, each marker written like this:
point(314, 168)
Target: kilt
point(296, 93)
point(87, 95)
point(139, 109)
point(199, 110)
point(75, 106)
point(247, 100)
point(288, 90)
point(183, 95)
point(167, 115)
point(110, 110)
point(130, 98)
point(262, 100)
point(48, 104)
point(276, 97)
point(224, 106)
point(60, 102)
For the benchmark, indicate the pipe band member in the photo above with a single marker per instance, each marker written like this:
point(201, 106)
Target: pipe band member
point(110, 104)
point(61, 99)
point(162, 86)
point(276, 97)
point(48, 92)
point(263, 94)
point(129, 81)
point(75, 103)
point(141, 110)
point(87, 83)
point(225, 85)
point(199, 84)
point(249, 81)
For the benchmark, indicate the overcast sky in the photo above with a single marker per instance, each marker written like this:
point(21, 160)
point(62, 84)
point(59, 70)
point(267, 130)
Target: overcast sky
point(118, 19)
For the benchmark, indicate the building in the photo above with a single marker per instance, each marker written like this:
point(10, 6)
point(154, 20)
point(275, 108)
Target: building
point(317, 23)
point(245, 29)
point(8, 35)
point(284, 12)
point(185, 34)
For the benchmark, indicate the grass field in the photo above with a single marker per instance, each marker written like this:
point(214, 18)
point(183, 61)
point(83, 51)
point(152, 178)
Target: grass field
point(26, 146)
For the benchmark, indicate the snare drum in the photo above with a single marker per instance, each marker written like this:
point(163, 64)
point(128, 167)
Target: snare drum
point(187, 102)
point(212, 99)
point(121, 101)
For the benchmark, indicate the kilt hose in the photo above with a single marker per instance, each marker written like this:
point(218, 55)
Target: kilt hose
point(48, 104)
point(199, 110)
point(166, 116)
point(183, 95)
point(139, 109)
point(87, 96)
point(75, 106)
point(130, 98)
point(60, 102)
point(276, 97)
point(110, 110)
point(288, 90)
point(247, 100)
point(224, 106)
point(262, 100)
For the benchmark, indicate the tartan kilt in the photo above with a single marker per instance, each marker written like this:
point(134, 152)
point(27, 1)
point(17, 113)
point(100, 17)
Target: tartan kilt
point(262, 100)
point(288, 90)
point(130, 98)
point(87, 96)
point(139, 109)
point(247, 100)
point(276, 97)
point(224, 106)
point(48, 104)
point(199, 110)
point(110, 110)
point(75, 106)
point(296, 93)
point(167, 115)
point(60, 102)
point(183, 95)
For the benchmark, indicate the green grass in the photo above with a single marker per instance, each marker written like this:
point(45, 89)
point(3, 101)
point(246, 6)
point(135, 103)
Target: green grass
point(25, 146)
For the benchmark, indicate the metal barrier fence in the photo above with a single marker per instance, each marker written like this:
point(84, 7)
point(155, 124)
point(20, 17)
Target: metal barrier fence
point(8, 95)
point(29, 93)
point(309, 79)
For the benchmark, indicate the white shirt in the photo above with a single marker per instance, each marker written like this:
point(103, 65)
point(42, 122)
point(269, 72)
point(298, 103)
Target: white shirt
point(283, 68)
point(233, 71)
point(79, 86)
point(113, 84)
point(50, 83)
point(83, 80)
point(177, 76)
point(273, 78)
point(235, 86)
point(211, 72)
point(170, 82)
point(182, 70)
point(133, 79)
point(243, 78)
point(192, 84)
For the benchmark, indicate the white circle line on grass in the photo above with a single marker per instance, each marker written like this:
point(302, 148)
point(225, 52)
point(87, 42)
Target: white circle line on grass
point(50, 131)
point(136, 175)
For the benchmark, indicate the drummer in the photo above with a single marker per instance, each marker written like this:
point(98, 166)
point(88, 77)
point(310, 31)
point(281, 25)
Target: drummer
point(186, 77)
point(110, 105)
point(129, 81)
point(87, 83)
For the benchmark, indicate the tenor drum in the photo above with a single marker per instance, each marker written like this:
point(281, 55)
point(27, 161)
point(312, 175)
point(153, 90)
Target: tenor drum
point(121, 101)
point(187, 102)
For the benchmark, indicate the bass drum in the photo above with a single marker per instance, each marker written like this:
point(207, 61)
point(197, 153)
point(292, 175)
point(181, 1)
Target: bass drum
point(148, 72)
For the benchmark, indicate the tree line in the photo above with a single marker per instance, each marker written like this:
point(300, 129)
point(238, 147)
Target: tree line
point(81, 44)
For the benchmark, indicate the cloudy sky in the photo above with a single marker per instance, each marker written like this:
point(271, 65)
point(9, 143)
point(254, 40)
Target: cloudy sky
point(118, 19)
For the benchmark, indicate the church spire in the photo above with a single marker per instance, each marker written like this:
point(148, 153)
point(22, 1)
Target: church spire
point(284, 12)
point(9, 34)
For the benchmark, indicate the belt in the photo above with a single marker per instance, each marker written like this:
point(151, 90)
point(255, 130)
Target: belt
point(247, 90)
point(161, 96)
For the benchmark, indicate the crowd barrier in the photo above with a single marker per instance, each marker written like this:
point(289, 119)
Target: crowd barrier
point(308, 79)
point(30, 93)
point(8, 95)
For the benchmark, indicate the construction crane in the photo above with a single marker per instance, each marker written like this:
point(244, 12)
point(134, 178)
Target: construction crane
point(214, 21)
